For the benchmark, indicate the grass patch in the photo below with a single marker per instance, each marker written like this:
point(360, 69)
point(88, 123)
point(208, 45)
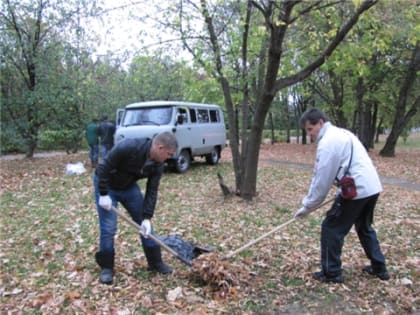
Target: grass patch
point(292, 282)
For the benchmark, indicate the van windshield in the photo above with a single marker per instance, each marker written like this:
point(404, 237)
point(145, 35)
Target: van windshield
point(147, 116)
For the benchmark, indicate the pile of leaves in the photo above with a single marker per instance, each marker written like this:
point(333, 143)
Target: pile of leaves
point(221, 277)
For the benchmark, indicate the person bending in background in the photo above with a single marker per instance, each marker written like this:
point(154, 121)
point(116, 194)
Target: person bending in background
point(115, 180)
point(340, 152)
point(106, 132)
point(93, 141)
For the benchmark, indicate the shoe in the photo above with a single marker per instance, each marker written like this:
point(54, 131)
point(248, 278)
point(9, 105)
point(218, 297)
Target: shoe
point(160, 268)
point(154, 260)
point(322, 277)
point(106, 276)
point(106, 261)
point(382, 274)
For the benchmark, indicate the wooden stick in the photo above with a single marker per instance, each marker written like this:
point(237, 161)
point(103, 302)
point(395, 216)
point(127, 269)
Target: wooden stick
point(151, 236)
point(231, 254)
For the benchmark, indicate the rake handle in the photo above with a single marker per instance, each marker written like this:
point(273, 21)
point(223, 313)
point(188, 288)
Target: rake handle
point(231, 254)
point(151, 236)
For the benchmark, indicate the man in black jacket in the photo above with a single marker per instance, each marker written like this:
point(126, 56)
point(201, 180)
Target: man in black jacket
point(106, 132)
point(115, 180)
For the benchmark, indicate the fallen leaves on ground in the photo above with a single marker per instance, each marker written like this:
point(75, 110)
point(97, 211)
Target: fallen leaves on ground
point(50, 234)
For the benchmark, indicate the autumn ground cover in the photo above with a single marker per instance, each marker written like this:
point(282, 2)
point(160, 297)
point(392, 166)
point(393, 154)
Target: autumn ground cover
point(49, 236)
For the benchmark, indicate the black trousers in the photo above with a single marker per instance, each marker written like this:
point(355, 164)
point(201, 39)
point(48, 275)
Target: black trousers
point(337, 224)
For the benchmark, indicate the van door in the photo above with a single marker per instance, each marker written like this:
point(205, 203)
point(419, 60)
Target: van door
point(182, 129)
point(119, 115)
point(203, 132)
point(197, 140)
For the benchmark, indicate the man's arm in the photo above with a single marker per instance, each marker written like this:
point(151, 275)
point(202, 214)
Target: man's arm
point(324, 174)
point(115, 158)
point(151, 195)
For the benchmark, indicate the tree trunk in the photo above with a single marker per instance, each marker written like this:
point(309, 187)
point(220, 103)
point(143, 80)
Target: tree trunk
point(233, 133)
point(366, 123)
point(373, 125)
point(337, 88)
point(31, 144)
point(249, 184)
point(277, 19)
point(401, 117)
point(379, 130)
point(271, 127)
point(361, 121)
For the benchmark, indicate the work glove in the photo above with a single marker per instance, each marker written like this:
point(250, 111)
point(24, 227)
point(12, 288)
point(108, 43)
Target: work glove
point(105, 202)
point(302, 212)
point(146, 228)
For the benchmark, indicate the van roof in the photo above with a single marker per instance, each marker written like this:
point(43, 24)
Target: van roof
point(169, 103)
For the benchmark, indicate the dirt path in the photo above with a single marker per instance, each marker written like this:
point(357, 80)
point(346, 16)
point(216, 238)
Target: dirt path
point(9, 157)
point(300, 157)
point(384, 179)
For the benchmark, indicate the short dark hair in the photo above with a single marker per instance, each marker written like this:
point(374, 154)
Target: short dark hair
point(313, 115)
point(167, 139)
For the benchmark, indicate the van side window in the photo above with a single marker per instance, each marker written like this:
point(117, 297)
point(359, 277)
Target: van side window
point(203, 116)
point(183, 112)
point(214, 115)
point(193, 115)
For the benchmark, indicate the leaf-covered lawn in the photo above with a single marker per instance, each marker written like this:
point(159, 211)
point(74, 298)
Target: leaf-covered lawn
point(49, 236)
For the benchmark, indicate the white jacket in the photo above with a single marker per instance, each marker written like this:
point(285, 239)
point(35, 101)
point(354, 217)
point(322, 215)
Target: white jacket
point(332, 160)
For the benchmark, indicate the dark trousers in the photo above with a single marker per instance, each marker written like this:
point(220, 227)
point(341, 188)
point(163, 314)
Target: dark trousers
point(94, 153)
point(337, 224)
point(132, 200)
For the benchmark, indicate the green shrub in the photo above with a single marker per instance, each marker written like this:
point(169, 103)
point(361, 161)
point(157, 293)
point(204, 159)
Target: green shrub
point(11, 141)
point(66, 139)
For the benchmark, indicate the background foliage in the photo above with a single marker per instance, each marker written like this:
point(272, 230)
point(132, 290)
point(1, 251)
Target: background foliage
point(51, 77)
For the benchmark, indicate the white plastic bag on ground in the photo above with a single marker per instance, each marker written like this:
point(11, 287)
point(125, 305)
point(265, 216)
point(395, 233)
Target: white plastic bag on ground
point(75, 169)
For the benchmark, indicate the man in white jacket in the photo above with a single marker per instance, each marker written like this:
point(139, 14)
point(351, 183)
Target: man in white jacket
point(340, 152)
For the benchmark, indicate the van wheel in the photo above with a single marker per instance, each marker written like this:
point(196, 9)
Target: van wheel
point(183, 162)
point(213, 157)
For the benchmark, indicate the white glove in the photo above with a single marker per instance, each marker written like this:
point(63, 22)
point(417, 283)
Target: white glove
point(302, 212)
point(146, 228)
point(105, 202)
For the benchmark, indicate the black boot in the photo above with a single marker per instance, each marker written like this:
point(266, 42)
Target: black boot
point(154, 260)
point(322, 277)
point(379, 272)
point(106, 262)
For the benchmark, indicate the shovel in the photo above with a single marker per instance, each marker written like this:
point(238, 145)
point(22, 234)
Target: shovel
point(231, 254)
point(151, 236)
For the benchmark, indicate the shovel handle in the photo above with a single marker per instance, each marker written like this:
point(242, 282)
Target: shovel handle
point(231, 254)
point(151, 236)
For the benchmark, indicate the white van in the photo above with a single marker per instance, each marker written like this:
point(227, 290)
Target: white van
point(199, 128)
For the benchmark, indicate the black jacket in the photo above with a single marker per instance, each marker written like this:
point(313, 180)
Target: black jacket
point(106, 132)
point(126, 163)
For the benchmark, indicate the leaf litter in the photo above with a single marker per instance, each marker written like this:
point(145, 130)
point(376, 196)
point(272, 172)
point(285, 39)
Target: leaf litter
point(49, 230)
